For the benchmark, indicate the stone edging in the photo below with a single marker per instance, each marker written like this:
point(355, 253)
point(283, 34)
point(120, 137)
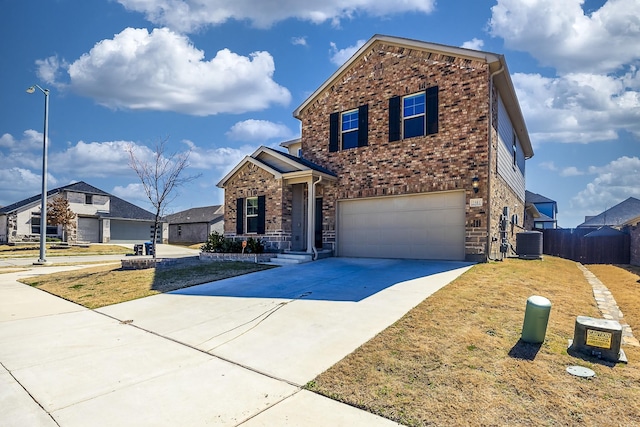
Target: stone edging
point(608, 305)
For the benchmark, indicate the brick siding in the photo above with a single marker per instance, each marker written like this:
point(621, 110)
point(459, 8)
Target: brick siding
point(447, 160)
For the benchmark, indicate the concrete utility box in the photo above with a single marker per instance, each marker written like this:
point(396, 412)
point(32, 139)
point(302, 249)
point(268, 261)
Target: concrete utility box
point(536, 318)
point(598, 337)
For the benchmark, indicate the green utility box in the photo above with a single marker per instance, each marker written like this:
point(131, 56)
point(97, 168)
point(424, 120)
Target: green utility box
point(536, 317)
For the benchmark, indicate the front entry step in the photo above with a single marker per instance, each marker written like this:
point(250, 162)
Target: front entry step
point(289, 258)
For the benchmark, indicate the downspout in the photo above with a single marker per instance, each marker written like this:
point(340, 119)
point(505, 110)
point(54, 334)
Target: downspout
point(313, 245)
point(489, 237)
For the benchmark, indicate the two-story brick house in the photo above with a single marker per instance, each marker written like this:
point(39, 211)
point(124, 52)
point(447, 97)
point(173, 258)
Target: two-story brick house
point(100, 218)
point(409, 150)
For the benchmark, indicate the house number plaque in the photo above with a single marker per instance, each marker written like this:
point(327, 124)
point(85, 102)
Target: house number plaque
point(475, 203)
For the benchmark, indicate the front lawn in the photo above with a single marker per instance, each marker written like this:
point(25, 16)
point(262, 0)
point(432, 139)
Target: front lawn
point(456, 359)
point(108, 284)
point(56, 249)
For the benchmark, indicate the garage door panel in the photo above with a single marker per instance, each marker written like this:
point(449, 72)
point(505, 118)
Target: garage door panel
point(425, 226)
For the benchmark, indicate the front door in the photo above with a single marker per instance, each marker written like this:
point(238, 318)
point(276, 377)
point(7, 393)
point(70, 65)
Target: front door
point(299, 219)
point(318, 225)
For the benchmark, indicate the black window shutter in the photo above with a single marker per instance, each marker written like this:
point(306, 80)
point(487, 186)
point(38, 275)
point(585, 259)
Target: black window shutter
point(334, 131)
point(432, 110)
point(261, 214)
point(363, 125)
point(394, 119)
point(240, 216)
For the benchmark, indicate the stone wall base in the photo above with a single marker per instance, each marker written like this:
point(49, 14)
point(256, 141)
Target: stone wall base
point(219, 257)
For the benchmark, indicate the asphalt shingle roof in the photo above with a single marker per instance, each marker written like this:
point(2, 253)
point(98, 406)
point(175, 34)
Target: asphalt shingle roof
point(194, 215)
point(118, 208)
point(617, 215)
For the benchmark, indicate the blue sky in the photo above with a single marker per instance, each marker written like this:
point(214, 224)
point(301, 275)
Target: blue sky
point(222, 77)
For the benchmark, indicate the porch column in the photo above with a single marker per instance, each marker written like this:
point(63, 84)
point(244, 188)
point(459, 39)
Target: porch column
point(311, 216)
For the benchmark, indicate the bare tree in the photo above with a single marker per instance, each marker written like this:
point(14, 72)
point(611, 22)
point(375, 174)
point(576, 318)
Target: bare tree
point(160, 176)
point(59, 213)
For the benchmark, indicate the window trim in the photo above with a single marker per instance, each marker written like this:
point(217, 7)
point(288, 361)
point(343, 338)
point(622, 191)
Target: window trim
point(405, 118)
point(353, 130)
point(251, 215)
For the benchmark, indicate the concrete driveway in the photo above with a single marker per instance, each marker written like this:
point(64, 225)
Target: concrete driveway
point(233, 352)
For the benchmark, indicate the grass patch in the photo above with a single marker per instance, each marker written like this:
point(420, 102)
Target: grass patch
point(96, 287)
point(447, 362)
point(27, 251)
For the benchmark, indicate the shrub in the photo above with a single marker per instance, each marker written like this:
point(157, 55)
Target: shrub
point(216, 242)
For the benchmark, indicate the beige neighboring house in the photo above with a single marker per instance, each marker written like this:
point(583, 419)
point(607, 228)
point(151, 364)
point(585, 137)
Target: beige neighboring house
point(100, 218)
point(196, 224)
point(409, 150)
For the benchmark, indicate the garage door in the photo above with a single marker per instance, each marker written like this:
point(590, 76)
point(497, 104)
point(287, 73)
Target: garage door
point(424, 226)
point(130, 231)
point(88, 230)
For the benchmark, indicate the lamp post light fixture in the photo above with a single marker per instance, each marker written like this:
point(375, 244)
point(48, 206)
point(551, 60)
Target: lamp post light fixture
point(43, 208)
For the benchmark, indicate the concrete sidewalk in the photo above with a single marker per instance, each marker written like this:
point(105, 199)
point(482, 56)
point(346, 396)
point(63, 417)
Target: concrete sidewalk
point(233, 352)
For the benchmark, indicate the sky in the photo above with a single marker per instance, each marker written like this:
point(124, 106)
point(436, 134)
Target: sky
point(219, 78)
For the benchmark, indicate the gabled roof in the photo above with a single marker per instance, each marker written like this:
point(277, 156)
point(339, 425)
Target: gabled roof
point(207, 214)
point(621, 214)
point(280, 165)
point(497, 64)
point(118, 208)
point(531, 197)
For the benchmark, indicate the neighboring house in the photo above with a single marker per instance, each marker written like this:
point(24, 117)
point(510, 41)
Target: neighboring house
point(409, 150)
point(196, 224)
point(540, 212)
point(100, 218)
point(626, 213)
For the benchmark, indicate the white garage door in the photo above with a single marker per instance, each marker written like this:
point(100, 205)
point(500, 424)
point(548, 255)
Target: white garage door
point(88, 230)
point(424, 226)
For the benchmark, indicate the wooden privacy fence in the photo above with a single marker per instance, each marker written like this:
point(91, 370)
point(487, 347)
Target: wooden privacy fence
point(573, 244)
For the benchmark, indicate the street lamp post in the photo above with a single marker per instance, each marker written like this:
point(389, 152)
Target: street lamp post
point(43, 208)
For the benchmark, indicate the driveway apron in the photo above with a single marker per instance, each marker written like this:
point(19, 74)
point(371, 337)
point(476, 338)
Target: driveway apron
point(232, 352)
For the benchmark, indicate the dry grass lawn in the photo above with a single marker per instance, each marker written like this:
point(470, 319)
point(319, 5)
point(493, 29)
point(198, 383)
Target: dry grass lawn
point(456, 359)
point(624, 283)
point(26, 251)
point(96, 287)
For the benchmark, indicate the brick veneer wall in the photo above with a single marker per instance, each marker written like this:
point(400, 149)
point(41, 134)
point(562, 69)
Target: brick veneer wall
point(251, 181)
point(444, 161)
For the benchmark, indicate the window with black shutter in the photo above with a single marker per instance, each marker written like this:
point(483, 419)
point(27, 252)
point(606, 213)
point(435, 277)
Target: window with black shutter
point(349, 129)
point(413, 115)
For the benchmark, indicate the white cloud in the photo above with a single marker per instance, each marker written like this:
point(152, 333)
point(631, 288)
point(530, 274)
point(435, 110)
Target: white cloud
point(258, 130)
point(299, 41)
point(49, 69)
point(614, 182)
point(571, 171)
point(579, 107)
point(133, 193)
point(475, 44)
point(561, 35)
point(340, 56)
point(163, 71)
point(551, 166)
point(94, 159)
point(191, 15)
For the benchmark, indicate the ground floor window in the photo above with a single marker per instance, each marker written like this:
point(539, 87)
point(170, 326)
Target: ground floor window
point(252, 214)
point(52, 230)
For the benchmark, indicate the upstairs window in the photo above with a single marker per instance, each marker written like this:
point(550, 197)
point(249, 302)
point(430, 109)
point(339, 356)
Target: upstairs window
point(349, 129)
point(88, 199)
point(413, 115)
